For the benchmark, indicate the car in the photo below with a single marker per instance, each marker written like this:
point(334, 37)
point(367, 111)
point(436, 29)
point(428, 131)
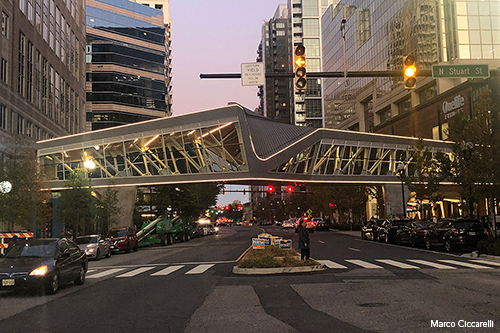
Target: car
point(413, 233)
point(321, 224)
point(371, 229)
point(95, 246)
point(310, 225)
point(43, 264)
point(455, 233)
point(389, 229)
point(122, 239)
point(197, 230)
point(287, 224)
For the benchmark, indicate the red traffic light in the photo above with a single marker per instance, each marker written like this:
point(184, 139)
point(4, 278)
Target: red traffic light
point(219, 206)
point(330, 204)
point(289, 189)
point(270, 189)
point(239, 207)
point(226, 208)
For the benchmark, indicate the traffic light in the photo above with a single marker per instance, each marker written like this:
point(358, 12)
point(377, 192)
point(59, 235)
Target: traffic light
point(409, 72)
point(289, 189)
point(299, 67)
point(270, 189)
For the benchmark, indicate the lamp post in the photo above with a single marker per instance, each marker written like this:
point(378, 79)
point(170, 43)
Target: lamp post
point(400, 171)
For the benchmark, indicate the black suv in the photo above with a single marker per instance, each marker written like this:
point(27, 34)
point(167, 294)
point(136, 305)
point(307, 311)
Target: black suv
point(388, 232)
point(454, 233)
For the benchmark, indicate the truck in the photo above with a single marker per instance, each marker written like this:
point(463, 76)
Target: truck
point(164, 231)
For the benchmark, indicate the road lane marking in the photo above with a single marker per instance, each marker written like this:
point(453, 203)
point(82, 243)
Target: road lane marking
point(105, 273)
point(362, 263)
point(486, 262)
point(199, 269)
point(466, 264)
point(135, 272)
point(330, 264)
point(90, 271)
point(397, 264)
point(432, 264)
point(322, 242)
point(353, 249)
point(167, 270)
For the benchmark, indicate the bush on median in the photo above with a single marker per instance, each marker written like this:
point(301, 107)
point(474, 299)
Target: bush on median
point(272, 257)
point(490, 245)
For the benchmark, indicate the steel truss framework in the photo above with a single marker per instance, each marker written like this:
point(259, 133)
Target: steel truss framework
point(228, 144)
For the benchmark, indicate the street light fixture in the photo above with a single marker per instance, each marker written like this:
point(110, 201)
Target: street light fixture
point(400, 169)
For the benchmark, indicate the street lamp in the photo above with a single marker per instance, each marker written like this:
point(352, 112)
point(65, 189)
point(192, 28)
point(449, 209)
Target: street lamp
point(5, 186)
point(400, 169)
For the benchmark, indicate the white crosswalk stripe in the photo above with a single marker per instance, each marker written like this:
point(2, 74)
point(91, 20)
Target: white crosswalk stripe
point(466, 264)
point(431, 264)
point(135, 272)
point(199, 269)
point(90, 271)
point(397, 264)
point(105, 273)
point(330, 264)
point(363, 264)
point(486, 262)
point(167, 270)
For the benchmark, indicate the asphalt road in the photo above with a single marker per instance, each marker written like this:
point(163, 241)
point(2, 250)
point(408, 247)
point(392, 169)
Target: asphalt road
point(190, 287)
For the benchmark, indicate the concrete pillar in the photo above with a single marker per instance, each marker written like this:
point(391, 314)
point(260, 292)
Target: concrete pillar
point(126, 202)
point(394, 200)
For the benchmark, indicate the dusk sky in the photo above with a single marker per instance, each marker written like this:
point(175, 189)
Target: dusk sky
point(215, 36)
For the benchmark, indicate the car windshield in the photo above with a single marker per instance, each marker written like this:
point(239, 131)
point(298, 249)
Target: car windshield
point(422, 224)
point(33, 249)
point(467, 224)
point(117, 233)
point(379, 222)
point(399, 223)
point(86, 240)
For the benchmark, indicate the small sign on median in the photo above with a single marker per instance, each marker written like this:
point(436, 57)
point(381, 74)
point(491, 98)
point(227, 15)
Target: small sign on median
point(258, 243)
point(286, 244)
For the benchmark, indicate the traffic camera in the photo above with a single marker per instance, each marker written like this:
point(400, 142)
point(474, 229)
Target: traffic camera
point(299, 67)
point(409, 72)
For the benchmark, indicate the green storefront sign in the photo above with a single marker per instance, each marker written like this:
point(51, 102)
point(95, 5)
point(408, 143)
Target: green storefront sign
point(459, 71)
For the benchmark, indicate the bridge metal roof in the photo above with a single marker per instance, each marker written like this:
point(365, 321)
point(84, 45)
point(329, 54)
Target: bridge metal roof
point(227, 144)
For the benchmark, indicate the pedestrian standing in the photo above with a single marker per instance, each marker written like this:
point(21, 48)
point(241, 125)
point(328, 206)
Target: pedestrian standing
point(303, 240)
point(12, 242)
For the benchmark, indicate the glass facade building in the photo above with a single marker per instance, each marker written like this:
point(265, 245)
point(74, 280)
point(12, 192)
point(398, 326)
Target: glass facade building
point(380, 33)
point(126, 63)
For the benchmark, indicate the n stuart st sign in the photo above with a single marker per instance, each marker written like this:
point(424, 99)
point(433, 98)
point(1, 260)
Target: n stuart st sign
point(460, 71)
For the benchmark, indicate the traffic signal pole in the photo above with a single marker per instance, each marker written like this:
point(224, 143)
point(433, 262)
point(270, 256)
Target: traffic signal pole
point(422, 73)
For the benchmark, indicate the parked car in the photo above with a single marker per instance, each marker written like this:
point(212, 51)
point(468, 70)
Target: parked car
point(122, 239)
point(413, 233)
point(95, 246)
point(43, 264)
point(197, 230)
point(371, 229)
point(388, 231)
point(287, 224)
point(321, 224)
point(455, 233)
point(310, 225)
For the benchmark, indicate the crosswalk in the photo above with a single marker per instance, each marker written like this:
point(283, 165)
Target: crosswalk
point(385, 263)
point(346, 264)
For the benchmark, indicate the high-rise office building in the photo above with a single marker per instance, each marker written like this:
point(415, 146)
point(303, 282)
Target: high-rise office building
point(274, 52)
point(42, 73)
point(163, 5)
point(305, 19)
point(379, 34)
point(126, 63)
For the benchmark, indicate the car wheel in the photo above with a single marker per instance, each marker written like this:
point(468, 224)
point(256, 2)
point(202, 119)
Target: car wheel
point(399, 240)
point(136, 247)
point(53, 285)
point(169, 239)
point(162, 240)
point(387, 238)
point(109, 253)
point(98, 255)
point(363, 236)
point(378, 238)
point(448, 245)
point(128, 249)
point(188, 238)
point(81, 277)
point(413, 242)
point(428, 243)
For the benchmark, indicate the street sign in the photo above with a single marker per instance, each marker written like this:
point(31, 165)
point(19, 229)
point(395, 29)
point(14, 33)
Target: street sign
point(309, 212)
point(459, 71)
point(252, 74)
point(286, 244)
point(258, 244)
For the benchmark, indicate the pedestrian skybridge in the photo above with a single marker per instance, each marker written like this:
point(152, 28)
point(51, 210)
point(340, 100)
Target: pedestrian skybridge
point(229, 144)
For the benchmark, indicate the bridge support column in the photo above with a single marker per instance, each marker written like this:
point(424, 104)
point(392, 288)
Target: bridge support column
point(126, 202)
point(393, 198)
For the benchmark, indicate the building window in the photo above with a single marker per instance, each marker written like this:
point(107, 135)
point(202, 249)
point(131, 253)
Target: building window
point(312, 47)
point(159, 6)
point(385, 115)
point(404, 106)
point(3, 116)
point(363, 25)
point(5, 24)
point(22, 53)
point(442, 134)
point(311, 27)
point(313, 108)
point(20, 124)
point(3, 70)
point(310, 8)
point(427, 94)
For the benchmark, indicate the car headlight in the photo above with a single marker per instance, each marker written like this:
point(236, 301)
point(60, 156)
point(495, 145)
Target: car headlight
point(40, 271)
point(216, 228)
point(91, 249)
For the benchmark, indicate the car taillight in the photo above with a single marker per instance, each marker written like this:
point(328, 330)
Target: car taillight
point(455, 231)
point(312, 223)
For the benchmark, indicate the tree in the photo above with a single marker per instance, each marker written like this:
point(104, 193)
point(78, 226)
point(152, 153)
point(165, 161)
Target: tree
point(77, 206)
point(25, 205)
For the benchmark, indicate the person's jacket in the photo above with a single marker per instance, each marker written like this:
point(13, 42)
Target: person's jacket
point(303, 237)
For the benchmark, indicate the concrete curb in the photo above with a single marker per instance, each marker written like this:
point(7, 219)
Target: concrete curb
point(278, 270)
point(476, 255)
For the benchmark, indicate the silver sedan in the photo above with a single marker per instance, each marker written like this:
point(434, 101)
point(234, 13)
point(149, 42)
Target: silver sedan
point(95, 246)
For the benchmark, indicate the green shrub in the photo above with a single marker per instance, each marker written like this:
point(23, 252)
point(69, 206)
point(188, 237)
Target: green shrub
point(490, 245)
